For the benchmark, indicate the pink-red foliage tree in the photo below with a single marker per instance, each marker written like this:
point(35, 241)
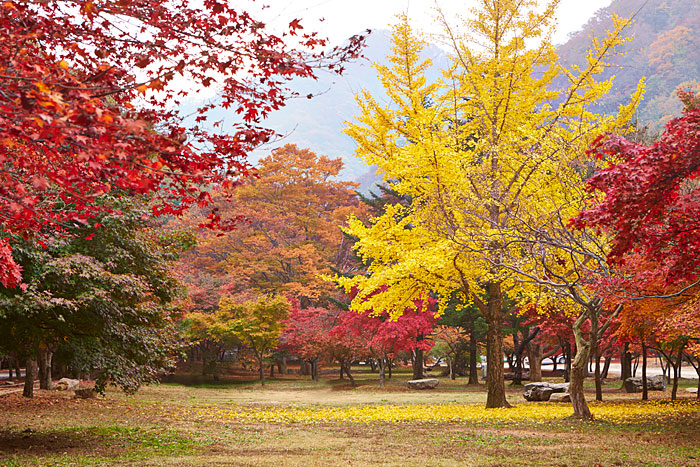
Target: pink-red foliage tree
point(384, 337)
point(86, 88)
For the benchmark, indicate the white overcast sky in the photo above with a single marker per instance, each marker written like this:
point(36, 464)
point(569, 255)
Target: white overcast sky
point(343, 18)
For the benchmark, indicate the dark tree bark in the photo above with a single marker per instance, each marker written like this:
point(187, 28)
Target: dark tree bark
point(534, 355)
point(282, 365)
point(519, 351)
point(625, 362)
point(473, 370)
point(346, 365)
point(314, 369)
point(598, 379)
point(645, 387)
point(495, 384)
point(566, 350)
point(594, 335)
point(261, 363)
point(677, 372)
point(418, 363)
point(29, 377)
point(606, 366)
point(45, 358)
point(381, 363)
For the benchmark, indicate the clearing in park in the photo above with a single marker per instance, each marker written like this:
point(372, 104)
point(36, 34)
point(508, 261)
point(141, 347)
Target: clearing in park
point(295, 421)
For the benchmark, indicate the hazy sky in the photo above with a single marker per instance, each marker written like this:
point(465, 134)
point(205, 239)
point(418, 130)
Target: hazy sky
point(343, 18)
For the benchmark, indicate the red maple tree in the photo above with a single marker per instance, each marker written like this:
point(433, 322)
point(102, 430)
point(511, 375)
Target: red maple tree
point(650, 205)
point(85, 92)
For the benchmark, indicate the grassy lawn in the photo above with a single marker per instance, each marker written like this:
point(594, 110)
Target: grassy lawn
point(294, 421)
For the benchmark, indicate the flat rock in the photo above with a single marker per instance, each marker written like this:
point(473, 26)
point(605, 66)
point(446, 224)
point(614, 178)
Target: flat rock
point(692, 390)
point(542, 391)
point(426, 383)
point(559, 387)
point(67, 384)
point(654, 383)
point(538, 393)
point(536, 385)
point(560, 397)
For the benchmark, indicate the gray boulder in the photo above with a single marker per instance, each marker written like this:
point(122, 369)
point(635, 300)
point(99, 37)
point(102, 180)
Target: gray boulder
point(542, 391)
point(426, 383)
point(692, 390)
point(560, 397)
point(67, 384)
point(654, 383)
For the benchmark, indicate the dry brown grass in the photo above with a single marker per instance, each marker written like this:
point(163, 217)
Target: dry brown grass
point(122, 430)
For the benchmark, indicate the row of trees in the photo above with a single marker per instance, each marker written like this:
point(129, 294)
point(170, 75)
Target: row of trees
point(91, 154)
point(317, 326)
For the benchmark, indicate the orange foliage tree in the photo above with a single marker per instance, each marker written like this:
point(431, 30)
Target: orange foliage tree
point(288, 232)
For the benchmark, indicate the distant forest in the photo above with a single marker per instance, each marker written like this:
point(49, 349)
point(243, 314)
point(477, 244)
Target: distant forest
point(664, 47)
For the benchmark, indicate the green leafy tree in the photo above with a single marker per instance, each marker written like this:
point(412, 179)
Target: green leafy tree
point(256, 323)
point(102, 297)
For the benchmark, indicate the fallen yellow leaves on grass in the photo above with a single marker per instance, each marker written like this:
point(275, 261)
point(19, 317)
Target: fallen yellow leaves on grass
point(438, 413)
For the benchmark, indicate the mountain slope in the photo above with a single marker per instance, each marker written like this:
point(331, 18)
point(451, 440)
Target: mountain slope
point(664, 48)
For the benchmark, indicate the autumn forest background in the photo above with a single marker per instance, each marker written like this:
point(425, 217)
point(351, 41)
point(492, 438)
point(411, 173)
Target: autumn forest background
point(481, 243)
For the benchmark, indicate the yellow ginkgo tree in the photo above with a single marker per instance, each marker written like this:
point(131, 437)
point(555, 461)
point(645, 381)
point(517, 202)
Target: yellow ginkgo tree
point(486, 154)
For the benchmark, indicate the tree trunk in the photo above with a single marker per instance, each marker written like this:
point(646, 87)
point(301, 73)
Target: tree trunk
point(262, 368)
point(494, 377)
point(677, 372)
point(418, 363)
point(594, 336)
point(313, 363)
point(625, 363)
point(567, 361)
point(389, 364)
point(645, 387)
point(598, 379)
point(45, 357)
point(347, 372)
point(534, 354)
point(473, 370)
point(282, 365)
point(606, 366)
point(29, 376)
point(381, 363)
point(578, 371)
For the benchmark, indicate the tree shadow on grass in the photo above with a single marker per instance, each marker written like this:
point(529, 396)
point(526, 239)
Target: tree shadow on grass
point(95, 442)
